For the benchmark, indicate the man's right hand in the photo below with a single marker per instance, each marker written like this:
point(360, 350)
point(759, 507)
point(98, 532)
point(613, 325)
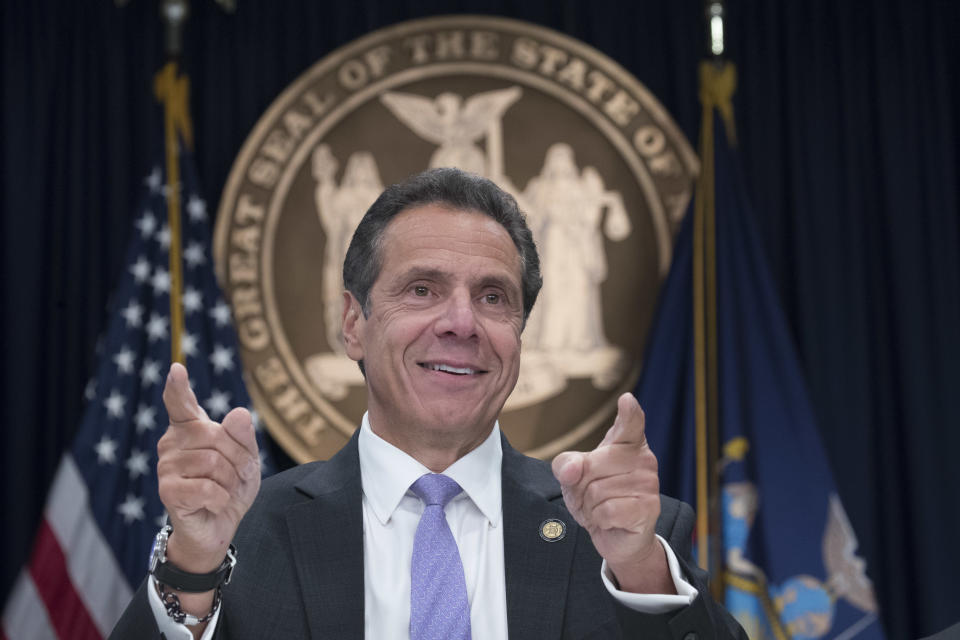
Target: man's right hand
point(208, 474)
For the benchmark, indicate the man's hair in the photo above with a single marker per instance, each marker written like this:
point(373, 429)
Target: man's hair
point(450, 188)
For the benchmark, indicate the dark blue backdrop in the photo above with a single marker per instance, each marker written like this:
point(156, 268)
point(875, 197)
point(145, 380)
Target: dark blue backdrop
point(847, 114)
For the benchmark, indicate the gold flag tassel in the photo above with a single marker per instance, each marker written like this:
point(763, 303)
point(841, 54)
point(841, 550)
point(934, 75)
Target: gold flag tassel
point(174, 92)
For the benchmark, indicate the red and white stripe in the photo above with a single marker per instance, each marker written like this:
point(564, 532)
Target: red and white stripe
point(73, 586)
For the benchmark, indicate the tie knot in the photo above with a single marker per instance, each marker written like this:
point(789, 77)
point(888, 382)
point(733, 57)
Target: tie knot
point(435, 488)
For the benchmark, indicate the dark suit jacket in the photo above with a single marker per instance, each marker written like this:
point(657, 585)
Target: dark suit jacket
point(300, 565)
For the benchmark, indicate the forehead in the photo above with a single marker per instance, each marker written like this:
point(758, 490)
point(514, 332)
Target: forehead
point(439, 237)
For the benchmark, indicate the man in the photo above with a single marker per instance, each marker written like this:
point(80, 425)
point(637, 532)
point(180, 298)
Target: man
point(440, 277)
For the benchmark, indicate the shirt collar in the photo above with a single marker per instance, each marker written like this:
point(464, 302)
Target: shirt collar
point(387, 473)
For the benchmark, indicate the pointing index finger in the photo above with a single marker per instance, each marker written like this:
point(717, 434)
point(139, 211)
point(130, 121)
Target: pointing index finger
point(179, 399)
point(630, 425)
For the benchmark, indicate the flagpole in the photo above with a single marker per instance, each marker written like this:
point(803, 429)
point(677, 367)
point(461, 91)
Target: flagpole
point(173, 91)
point(713, 73)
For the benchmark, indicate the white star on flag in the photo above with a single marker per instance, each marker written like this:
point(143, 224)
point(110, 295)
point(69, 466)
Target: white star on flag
point(125, 360)
point(147, 224)
point(188, 344)
point(220, 314)
point(115, 403)
point(156, 327)
point(106, 450)
point(192, 300)
point(132, 314)
point(150, 372)
point(137, 463)
point(197, 209)
point(140, 270)
point(131, 509)
point(193, 255)
point(145, 418)
point(90, 391)
point(218, 403)
point(163, 237)
point(160, 281)
point(221, 358)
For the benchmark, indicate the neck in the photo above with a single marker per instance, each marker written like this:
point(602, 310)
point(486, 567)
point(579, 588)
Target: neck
point(435, 451)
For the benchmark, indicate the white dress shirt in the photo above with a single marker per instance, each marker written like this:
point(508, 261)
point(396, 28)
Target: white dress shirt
point(391, 513)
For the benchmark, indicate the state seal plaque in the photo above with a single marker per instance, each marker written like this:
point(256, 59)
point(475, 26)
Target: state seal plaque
point(599, 167)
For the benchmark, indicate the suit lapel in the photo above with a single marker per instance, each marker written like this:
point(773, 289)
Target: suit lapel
point(537, 571)
point(326, 536)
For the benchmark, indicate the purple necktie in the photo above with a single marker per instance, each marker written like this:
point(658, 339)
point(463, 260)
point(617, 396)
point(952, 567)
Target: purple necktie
point(439, 609)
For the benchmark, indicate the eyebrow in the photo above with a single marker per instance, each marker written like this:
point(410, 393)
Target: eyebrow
point(421, 273)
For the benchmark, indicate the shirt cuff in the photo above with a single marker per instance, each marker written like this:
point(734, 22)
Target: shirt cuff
point(649, 602)
point(174, 630)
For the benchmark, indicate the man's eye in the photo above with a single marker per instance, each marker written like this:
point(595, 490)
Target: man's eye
point(492, 298)
point(420, 291)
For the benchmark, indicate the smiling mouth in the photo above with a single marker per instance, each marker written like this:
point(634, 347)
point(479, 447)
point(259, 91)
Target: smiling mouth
point(446, 368)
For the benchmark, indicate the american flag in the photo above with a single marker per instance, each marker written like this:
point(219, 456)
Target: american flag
point(103, 510)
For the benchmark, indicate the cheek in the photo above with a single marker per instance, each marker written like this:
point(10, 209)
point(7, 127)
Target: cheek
point(399, 332)
point(506, 342)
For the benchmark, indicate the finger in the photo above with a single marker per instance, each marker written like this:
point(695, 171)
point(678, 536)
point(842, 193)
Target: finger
point(632, 513)
point(630, 425)
point(568, 468)
point(186, 496)
point(238, 424)
point(201, 463)
point(210, 435)
point(634, 484)
point(608, 461)
point(179, 399)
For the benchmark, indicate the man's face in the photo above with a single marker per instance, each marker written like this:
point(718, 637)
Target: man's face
point(441, 345)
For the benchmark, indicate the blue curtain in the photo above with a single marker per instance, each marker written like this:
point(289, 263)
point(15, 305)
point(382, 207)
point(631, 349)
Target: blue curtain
point(848, 116)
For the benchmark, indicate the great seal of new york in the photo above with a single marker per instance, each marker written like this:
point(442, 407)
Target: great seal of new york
point(599, 167)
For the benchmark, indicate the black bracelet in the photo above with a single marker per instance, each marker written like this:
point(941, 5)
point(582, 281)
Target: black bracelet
point(172, 604)
point(174, 577)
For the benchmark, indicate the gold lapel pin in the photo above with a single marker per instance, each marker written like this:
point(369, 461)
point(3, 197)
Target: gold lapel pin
point(553, 530)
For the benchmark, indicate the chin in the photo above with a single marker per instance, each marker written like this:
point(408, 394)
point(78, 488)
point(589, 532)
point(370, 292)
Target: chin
point(451, 418)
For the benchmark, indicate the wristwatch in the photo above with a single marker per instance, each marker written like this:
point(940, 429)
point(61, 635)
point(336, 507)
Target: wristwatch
point(169, 574)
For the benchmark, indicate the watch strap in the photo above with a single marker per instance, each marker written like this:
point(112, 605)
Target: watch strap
point(172, 576)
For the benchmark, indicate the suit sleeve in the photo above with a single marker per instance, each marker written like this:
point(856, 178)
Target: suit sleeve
point(701, 619)
point(137, 620)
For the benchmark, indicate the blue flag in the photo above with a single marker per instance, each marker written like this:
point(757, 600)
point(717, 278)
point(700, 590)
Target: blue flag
point(103, 509)
point(790, 568)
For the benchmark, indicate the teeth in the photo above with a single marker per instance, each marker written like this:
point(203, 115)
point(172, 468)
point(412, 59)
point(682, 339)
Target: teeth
point(449, 369)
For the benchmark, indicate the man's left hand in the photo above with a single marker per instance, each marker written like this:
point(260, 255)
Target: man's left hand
point(614, 493)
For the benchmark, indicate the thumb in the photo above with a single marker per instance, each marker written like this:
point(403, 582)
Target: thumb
point(630, 425)
point(178, 397)
point(568, 467)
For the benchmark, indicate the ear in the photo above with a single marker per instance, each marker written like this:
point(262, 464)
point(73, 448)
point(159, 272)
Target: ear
point(353, 323)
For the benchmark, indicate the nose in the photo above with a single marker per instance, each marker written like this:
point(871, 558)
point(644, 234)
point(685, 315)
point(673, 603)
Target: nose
point(458, 316)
